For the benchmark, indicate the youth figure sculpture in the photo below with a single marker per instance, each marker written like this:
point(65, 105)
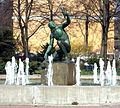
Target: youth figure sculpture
point(58, 33)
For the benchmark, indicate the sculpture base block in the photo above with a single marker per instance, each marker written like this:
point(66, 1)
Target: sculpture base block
point(63, 73)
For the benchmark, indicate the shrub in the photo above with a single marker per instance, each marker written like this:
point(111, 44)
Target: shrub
point(2, 66)
point(79, 48)
point(93, 60)
point(7, 44)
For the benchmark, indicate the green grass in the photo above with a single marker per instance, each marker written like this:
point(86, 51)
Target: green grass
point(84, 72)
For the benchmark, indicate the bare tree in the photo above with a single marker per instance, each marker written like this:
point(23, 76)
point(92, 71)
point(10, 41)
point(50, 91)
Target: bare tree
point(101, 11)
point(26, 11)
point(117, 29)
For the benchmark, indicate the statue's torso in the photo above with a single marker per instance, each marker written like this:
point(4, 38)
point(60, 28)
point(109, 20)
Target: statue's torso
point(60, 34)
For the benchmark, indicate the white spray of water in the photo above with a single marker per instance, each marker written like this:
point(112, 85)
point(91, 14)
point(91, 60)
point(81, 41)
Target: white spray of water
point(114, 73)
point(8, 68)
point(21, 75)
point(50, 71)
point(108, 73)
point(102, 76)
point(11, 71)
point(95, 76)
point(73, 60)
point(27, 70)
point(12, 77)
point(14, 70)
point(78, 71)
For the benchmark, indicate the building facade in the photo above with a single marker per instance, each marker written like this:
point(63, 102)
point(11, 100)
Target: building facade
point(6, 13)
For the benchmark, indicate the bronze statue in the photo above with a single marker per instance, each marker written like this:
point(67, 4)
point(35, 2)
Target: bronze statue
point(58, 33)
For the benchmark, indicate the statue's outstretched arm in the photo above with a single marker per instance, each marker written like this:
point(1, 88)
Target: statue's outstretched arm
point(49, 47)
point(67, 17)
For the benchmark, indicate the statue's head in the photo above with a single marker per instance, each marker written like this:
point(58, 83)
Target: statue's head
point(51, 24)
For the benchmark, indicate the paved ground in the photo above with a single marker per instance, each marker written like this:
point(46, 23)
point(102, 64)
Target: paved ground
point(44, 106)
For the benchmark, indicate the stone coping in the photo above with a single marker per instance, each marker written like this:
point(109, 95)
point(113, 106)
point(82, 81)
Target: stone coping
point(59, 95)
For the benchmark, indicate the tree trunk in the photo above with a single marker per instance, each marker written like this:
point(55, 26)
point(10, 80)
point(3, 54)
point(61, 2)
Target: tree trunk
point(117, 30)
point(26, 41)
point(105, 27)
point(26, 29)
point(104, 46)
point(86, 30)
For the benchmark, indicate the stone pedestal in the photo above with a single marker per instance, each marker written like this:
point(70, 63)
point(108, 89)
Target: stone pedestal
point(44, 78)
point(63, 73)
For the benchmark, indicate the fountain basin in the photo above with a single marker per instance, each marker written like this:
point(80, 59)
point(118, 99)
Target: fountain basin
point(58, 95)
